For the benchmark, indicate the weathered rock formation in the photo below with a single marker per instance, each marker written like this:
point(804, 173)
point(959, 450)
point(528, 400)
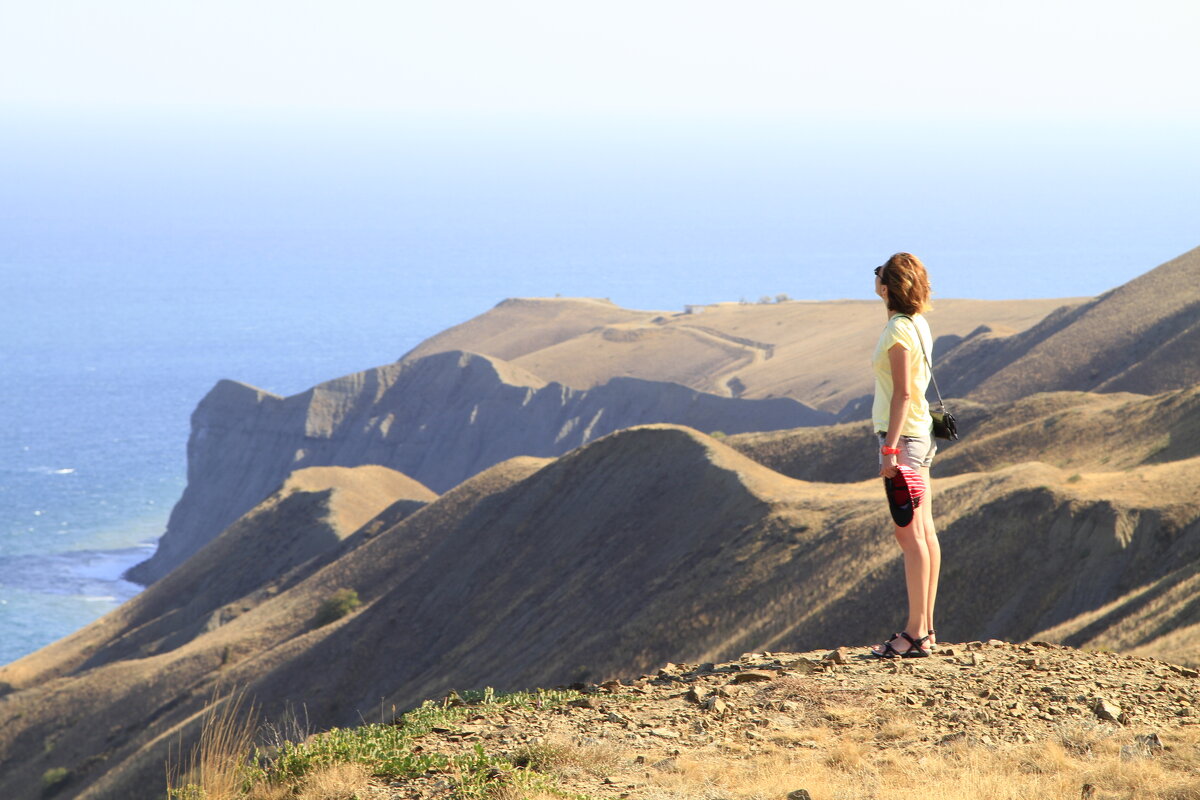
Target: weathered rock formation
point(438, 419)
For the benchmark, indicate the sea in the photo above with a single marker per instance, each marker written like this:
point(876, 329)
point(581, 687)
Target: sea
point(141, 261)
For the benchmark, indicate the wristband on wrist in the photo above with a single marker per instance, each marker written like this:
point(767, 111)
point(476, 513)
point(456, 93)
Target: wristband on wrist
point(889, 451)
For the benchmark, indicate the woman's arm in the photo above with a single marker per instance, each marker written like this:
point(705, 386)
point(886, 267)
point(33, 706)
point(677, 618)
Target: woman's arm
point(901, 395)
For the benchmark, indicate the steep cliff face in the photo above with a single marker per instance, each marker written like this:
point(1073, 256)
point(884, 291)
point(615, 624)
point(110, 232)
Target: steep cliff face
point(438, 419)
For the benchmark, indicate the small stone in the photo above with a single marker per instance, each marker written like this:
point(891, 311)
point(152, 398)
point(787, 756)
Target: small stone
point(1184, 671)
point(696, 694)
point(584, 702)
point(1030, 662)
point(664, 733)
point(754, 675)
point(996, 643)
point(977, 659)
point(1150, 742)
point(716, 705)
point(946, 651)
point(1106, 710)
point(667, 765)
point(839, 656)
point(802, 666)
point(799, 794)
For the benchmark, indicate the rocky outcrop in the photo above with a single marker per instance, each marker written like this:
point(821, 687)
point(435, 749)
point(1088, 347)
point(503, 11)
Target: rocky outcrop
point(439, 419)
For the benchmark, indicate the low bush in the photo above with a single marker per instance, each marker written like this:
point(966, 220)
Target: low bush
point(336, 606)
point(54, 779)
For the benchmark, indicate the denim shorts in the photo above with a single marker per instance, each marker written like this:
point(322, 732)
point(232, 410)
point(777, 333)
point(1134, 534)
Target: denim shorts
point(915, 451)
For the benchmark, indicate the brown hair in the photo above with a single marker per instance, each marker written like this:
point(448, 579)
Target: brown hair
point(907, 284)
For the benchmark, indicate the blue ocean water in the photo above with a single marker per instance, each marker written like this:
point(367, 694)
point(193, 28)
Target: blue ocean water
point(140, 266)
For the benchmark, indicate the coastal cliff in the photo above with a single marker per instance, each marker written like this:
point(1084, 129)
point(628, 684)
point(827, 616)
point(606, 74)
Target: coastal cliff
point(438, 419)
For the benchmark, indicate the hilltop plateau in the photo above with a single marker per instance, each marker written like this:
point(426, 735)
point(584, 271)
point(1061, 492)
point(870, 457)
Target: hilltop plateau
point(793, 349)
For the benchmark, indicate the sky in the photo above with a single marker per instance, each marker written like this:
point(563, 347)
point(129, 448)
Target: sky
point(930, 60)
point(1023, 130)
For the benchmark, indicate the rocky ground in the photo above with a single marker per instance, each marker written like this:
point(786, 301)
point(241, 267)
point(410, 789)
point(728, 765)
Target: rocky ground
point(621, 737)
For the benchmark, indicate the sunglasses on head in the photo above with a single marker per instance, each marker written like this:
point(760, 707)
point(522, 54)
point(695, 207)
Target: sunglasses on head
point(879, 270)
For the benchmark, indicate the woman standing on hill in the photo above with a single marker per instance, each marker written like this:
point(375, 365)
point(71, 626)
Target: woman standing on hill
point(903, 426)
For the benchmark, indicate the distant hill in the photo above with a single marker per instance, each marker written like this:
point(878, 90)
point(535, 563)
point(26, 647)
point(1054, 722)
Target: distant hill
point(1069, 430)
point(439, 419)
point(1143, 336)
point(649, 544)
point(815, 352)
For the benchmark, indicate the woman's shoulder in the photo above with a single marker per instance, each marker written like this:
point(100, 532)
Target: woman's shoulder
point(909, 330)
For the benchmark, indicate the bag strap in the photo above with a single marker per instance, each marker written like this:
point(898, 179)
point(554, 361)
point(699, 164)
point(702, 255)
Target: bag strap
point(916, 330)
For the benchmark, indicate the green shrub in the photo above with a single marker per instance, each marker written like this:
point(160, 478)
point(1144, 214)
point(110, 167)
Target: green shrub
point(388, 751)
point(54, 779)
point(336, 606)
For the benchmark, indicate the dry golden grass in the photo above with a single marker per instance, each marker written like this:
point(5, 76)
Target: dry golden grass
point(867, 763)
point(336, 782)
point(569, 758)
point(344, 781)
point(517, 793)
point(215, 766)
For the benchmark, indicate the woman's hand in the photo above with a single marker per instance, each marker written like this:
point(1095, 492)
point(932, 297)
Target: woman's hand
point(888, 470)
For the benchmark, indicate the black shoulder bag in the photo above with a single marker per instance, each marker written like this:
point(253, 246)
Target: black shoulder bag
point(944, 424)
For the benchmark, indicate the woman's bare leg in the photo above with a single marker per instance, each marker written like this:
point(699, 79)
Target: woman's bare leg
point(916, 579)
point(932, 545)
point(916, 575)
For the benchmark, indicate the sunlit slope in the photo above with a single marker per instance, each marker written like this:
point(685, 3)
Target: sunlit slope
point(1143, 336)
point(297, 528)
point(1079, 431)
point(815, 352)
